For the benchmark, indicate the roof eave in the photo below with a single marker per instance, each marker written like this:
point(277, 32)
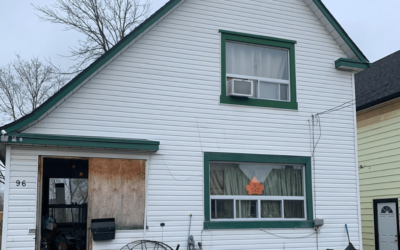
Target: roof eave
point(333, 27)
point(351, 65)
point(81, 141)
point(379, 101)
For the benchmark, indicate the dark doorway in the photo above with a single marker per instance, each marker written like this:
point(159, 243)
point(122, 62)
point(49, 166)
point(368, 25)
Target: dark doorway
point(64, 203)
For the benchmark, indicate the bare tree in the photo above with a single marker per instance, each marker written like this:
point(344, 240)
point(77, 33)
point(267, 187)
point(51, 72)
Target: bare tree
point(76, 190)
point(1, 199)
point(2, 177)
point(102, 22)
point(10, 101)
point(24, 85)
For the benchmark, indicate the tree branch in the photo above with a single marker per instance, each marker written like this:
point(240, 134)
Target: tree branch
point(103, 22)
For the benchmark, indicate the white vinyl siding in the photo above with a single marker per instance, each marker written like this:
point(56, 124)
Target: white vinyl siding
point(166, 87)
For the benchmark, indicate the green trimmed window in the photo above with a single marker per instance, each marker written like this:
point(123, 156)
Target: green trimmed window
point(258, 71)
point(257, 191)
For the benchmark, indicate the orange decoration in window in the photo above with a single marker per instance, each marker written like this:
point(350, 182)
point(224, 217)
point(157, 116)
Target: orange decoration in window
point(254, 187)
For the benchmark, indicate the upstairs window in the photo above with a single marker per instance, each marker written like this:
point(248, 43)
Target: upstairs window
point(257, 71)
point(266, 67)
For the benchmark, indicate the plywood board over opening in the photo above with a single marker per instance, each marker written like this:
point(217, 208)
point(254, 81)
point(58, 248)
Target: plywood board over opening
point(117, 190)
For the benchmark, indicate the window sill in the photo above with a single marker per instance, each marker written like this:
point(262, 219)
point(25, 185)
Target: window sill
point(256, 224)
point(258, 102)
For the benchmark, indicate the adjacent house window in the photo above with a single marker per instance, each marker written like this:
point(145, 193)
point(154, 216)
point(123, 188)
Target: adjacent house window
point(257, 71)
point(257, 191)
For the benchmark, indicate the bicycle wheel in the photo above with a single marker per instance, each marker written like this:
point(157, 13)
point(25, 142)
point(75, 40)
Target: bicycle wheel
point(146, 245)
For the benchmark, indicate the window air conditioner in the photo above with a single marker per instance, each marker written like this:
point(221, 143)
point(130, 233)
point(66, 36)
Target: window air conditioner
point(240, 87)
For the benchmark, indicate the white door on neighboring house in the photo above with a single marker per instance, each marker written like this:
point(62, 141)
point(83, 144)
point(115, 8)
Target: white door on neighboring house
point(387, 226)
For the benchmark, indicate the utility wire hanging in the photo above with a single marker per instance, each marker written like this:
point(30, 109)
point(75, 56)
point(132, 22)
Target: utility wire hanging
point(352, 102)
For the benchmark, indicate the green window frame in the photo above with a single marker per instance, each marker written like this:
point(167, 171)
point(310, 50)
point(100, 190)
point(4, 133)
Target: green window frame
point(253, 158)
point(259, 40)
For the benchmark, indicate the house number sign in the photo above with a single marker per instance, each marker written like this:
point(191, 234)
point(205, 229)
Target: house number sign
point(23, 183)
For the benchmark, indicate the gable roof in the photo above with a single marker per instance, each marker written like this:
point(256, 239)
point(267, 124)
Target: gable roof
point(316, 6)
point(380, 83)
point(333, 27)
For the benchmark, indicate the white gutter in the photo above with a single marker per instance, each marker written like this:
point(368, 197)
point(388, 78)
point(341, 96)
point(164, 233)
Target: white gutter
point(356, 155)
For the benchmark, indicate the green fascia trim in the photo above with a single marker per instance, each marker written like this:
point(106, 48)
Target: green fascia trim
point(262, 40)
point(258, 36)
point(341, 31)
point(281, 159)
point(344, 62)
point(63, 92)
point(83, 141)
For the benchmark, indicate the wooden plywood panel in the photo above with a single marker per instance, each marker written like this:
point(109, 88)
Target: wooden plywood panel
point(117, 190)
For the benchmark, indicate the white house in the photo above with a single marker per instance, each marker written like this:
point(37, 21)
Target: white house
point(200, 119)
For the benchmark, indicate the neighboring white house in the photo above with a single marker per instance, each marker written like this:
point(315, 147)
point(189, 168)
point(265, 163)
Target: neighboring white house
point(202, 116)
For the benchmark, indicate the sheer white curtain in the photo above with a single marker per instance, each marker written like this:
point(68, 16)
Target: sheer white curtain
point(259, 61)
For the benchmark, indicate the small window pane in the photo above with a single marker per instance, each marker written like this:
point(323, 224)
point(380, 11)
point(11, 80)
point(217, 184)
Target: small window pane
point(269, 91)
point(294, 209)
point(222, 209)
point(386, 209)
point(284, 92)
point(246, 209)
point(257, 60)
point(271, 209)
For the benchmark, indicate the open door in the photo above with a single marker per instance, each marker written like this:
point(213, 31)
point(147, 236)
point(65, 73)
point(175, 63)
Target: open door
point(72, 192)
point(62, 221)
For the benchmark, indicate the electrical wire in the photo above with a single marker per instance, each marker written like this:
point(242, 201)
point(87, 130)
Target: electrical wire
point(170, 172)
point(211, 234)
point(190, 224)
point(198, 131)
point(201, 147)
point(316, 120)
point(351, 102)
point(285, 237)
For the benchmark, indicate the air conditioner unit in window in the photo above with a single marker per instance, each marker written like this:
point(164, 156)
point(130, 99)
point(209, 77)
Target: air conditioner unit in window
point(240, 87)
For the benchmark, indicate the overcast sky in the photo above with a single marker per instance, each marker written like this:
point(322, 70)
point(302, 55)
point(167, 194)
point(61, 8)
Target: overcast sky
point(372, 24)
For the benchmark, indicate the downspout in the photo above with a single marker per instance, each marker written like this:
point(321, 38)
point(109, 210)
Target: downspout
point(356, 155)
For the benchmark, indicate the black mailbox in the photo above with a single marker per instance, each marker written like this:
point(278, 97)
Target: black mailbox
point(103, 229)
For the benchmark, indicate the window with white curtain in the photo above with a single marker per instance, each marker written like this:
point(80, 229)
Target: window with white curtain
point(267, 67)
point(257, 191)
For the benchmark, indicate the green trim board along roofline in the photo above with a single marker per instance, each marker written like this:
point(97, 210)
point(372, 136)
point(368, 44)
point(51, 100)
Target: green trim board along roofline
point(351, 64)
point(158, 15)
point(81, 141)
point(232, 157)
